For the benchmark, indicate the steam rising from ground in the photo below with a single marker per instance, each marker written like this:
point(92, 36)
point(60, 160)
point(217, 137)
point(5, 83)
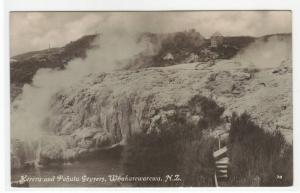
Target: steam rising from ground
point(267, 52)
point(31, 109)
point(31, 31)
point(117, 43)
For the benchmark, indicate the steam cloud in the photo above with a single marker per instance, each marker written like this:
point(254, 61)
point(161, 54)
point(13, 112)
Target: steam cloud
point(31, 31)
point(30, 110)
point(266, 52)
point(117, 42)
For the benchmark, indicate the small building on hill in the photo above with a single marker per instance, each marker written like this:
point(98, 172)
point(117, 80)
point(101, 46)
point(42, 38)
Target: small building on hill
point(216, 40)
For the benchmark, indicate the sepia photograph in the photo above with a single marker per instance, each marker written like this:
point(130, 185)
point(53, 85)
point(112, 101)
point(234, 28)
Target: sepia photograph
point(151, 98)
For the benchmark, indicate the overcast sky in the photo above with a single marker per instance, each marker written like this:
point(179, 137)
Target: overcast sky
point(30, 31)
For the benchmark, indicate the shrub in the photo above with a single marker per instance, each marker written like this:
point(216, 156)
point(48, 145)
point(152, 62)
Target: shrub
point(179, 148)
point(149, 155)
point(182, 150)
point(196, 166)
point(208, 109)
point(180, 45)
point(256, 153)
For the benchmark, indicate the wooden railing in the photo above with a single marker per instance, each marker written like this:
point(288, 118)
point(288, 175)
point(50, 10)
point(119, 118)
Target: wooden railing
point(221, 161)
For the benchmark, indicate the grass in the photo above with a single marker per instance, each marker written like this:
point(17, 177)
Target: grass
point(258, 154)
point(183, 150)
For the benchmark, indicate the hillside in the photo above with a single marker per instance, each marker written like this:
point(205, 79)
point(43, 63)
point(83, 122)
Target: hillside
point(190, 46)
point(185, 47)
point(24, 66)
point(105, 109)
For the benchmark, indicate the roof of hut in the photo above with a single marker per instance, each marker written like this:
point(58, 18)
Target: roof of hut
point(217, 34)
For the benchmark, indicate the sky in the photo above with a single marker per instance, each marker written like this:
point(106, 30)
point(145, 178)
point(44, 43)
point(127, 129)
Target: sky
point(31, 31)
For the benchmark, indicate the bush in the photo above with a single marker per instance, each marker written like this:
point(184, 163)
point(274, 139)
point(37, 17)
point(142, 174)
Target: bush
point(180, 45)
point(196, 166)
point(182, 150)
point(208, 109)
point(179, 148)
point(149, 155)
point(257, 154)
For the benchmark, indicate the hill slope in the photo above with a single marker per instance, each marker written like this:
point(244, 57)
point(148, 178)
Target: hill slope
point(105, 109)
point(24, 66)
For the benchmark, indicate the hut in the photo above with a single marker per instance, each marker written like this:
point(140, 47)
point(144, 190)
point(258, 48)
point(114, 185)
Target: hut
point(216, 40)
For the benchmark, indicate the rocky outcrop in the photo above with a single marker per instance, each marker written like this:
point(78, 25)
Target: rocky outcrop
point(105, 109)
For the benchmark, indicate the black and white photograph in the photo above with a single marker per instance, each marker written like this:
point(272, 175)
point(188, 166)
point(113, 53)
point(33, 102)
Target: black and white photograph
point(197, 98)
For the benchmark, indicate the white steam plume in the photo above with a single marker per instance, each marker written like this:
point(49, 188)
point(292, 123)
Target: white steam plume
point(267, 52)
point(29, 111)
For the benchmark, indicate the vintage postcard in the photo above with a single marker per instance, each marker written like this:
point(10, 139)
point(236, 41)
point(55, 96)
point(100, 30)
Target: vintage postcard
point(151, 99)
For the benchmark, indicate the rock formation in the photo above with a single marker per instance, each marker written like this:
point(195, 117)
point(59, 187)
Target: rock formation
point(105, 109)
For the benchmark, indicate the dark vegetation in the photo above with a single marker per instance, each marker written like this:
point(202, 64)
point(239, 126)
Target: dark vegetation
point(238, 42)
point(180, 45)
point(184, 151)
point(257, 157)
point(231, 46)
point(182, 148)
point(183, 44)
point(280, 36)
point(256, 153)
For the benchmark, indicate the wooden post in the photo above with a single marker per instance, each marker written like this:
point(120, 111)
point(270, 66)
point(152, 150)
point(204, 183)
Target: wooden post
point(219, 140)
point(216, 180)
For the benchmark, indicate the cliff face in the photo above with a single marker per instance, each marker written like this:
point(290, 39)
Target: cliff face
point(105, 109)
